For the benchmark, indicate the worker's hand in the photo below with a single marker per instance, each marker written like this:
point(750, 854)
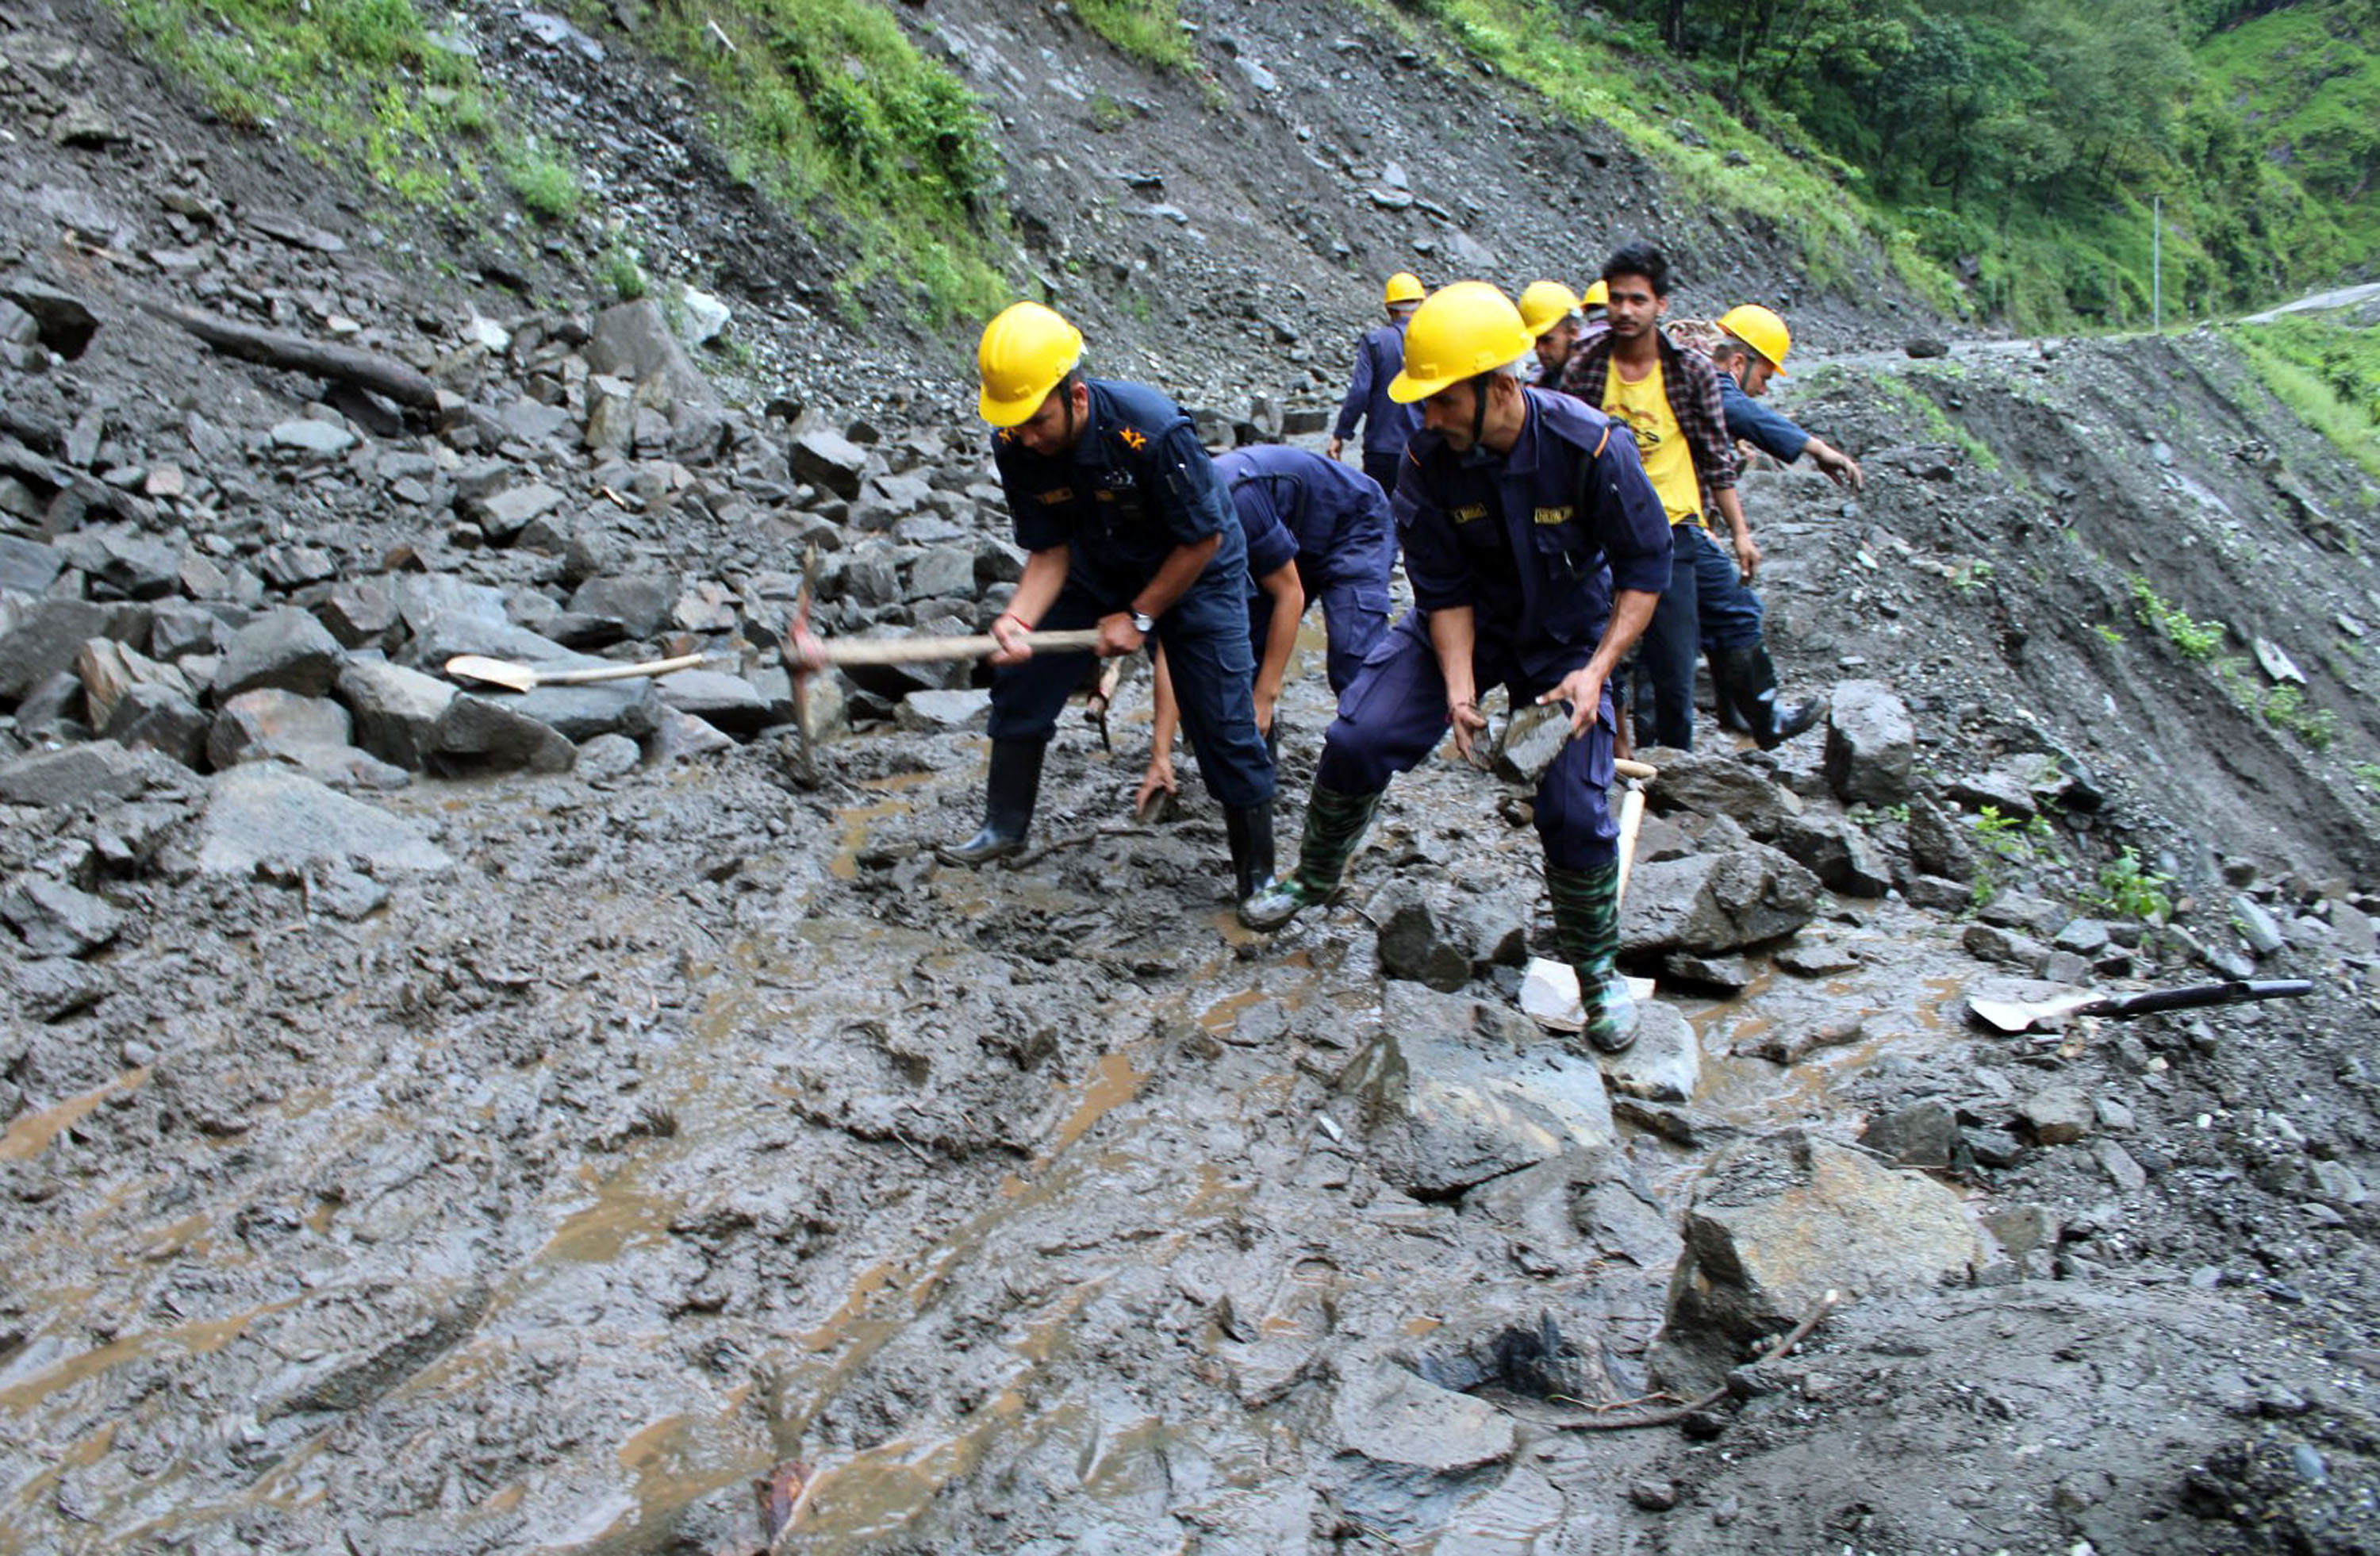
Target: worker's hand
point(1118, 636)
point(1158, 776)
point(1266, 702)
point(1840, 468)
point(1468, 722)
point(1330, 450)
point(1583, 689)
point(1747, 555)
point(1009, 633)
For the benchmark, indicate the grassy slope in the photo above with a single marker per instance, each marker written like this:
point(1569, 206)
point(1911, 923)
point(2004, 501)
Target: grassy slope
point(2308, 79)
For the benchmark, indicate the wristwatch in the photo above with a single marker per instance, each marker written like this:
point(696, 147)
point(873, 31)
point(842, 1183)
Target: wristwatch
point(1142, 623)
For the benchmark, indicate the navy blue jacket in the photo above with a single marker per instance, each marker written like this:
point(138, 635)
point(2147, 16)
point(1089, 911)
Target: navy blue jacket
point(1387, 425)
point(1754, 424)
point(1298, 506)
point(1536, 540)
point(1135, 486)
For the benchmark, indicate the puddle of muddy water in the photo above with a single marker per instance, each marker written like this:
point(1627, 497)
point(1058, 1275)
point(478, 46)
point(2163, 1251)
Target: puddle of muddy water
point(30, 1133)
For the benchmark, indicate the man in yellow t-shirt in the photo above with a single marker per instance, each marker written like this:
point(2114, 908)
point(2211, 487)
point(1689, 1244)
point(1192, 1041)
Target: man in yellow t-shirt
point(1670, 399)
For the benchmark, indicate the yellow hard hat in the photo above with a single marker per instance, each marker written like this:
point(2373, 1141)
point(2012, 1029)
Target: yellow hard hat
point(1598, 295)
point(1546, 304)
point(1404, 286)
point(1023, 355)
point(1760, 329)
point(1461, 332)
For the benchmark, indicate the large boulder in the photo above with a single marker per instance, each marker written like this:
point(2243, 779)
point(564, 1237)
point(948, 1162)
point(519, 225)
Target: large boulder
point(48, 634)
point(640, 603)
point(720, 699)
point(1845, 859)
point(312, 733)
point(397, 709)
point(96, 773)
point(287, 649)
point(1711, 902)
point(633, 340)
point(1710, 784)
point(825, 459)
point(492, 734)
point(1776, 1223)
point(1448, 1100)
point(1871, 744)
point(268, 817)
point(108, 670)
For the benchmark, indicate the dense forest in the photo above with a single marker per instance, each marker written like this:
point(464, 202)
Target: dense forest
point(2026, 143)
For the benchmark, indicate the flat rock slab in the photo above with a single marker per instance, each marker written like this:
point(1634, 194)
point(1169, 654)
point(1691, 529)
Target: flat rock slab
point(925, 710)
point(724, 701)
point(264, 815)
point(1713, 903)
point(1664, 1064)
point(90, 773)
point(1392, 1416)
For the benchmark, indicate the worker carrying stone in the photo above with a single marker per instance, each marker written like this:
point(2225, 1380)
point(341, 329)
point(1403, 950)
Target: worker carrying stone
point(1669, 399)
point(1127, 526)
point(1553, 313)
point(1316, 529)
point(1386, 424)
point(1538, 550)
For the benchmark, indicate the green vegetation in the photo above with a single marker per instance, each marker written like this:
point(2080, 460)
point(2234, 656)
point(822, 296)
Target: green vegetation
point(2305, 78)
point(547, 186)
point(2194, 641)
point(622, 268)
point(2006, 841)
point(2284, 707)
point(1150, 30)
point(2129, 890)
point(2109, 636)
point(827, 103)
point(2328, 372)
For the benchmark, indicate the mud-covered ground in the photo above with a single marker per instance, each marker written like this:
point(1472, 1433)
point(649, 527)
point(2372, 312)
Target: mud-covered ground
point(688, 1123)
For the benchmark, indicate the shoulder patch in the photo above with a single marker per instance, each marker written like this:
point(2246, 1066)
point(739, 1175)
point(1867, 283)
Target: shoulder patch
point(1132, 438)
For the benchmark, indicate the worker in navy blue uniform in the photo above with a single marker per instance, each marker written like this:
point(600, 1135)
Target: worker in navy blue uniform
point(1750, 349)
point(1125, 526)
point(1379, 358)
point(1316, 530)
point(1538, 550)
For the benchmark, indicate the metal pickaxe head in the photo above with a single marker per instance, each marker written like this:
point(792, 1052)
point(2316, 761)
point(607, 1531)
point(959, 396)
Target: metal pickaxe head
point(805, 654)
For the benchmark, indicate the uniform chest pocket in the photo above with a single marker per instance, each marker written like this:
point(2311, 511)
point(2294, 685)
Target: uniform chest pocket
point(1564, 551)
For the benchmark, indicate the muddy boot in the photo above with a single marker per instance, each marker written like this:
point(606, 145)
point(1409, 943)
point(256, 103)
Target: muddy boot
point(1586, 933)
point(1748, 678)
point(1250, 829)
point(1335, 825)
point(1009, 791)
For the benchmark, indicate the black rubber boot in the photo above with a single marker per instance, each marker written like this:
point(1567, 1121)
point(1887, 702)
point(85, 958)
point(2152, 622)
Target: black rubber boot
point(1250, 829)
point(1009, 790)
point(1334, 826)
point(1748, 677)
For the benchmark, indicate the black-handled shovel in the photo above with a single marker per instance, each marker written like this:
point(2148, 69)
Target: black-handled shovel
point(2015, 1016)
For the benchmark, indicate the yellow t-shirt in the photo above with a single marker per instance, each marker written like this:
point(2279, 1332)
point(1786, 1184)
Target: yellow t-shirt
point(1644, 406)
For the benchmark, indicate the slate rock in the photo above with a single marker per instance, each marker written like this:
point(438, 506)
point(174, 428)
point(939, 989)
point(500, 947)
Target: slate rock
point(1413, 945)
point(2008, 792)
point(640, 603)
point(490, 735)
point(1393, 1418)
point(314, 440)
point(725, 701)
point(56, 920)
point(922, 711)
point(1840, 852)
point(1710, 904)
point(1922, 1135)
point(264, 816)
point(1775, 1223)
point(424, 599)
point(52, 988)
point(607, 756)
point(395, 710)
point(65, 322)
point(1528, 743)
point(502, 514)
point(2257, 925)
point(2059, 1115)
point(107, 669)
point(177, 629)
point(360, 613)
point(287, 649)
point(96, 773)
point(1732, 974)
point(2038, 916)
point(1939, 845)
point(156, 717)
point(633, 340)
point(1871, 744)
point(125, 561)
point(312, 733)
point(1712, 784)
point(683, 737)
point(824, 459)
point(1988, 943)
point(1664, 1064)
point(945, 572)
point(48, 634)
point(28, 566)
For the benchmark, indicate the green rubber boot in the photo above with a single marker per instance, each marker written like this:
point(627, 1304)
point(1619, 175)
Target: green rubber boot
point(1334, 826)
point(1586, 932)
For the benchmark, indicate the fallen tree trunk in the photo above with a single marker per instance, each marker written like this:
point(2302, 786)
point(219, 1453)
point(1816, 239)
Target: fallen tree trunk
point(365, 369)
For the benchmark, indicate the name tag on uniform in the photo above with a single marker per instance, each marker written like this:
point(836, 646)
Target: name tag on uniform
point(1553, 515)
point(1062, 494)
point(1467, 513)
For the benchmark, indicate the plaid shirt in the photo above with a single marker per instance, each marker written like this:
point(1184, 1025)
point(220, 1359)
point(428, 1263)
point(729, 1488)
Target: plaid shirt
point(1691, 385)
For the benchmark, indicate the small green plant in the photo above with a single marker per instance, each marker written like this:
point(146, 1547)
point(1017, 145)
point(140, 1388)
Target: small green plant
point(1969, 577)
point(2285, 708)
point(621, 269)
point(2130, 890)
point(1108, 113)
point(2196, 640)
point(2109, 636)
point(548, 187)
point(2367, 773)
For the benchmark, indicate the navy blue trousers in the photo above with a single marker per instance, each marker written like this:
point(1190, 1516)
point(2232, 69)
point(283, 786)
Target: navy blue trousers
point(1354, 614)
point(1729, 612)
point(1395, 715)
point(1673, 644)
point(1382, 468)
point(1206, 640)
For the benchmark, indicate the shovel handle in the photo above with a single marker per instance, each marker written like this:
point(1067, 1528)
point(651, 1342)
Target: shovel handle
point(2239, 990)
point(620, 671)
point(927, 650)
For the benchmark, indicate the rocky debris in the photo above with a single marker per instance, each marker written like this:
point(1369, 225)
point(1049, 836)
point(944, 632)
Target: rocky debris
point(1449, 1100)
point(1842, 856)
point(1719, 786)
point(1871, 744)
point(490, 735)
point(397, 710)
point(94, 773)
point(1778, 1220)
point(47, 634)
point(2058, 1115)
point(1664, 1064)
point(55, 920)
point(309, 733)
point(1923, 1135)
point(286, 649)
point(1710, 904)
point(263, 817)
point(1442, 944)
point(1938, 846)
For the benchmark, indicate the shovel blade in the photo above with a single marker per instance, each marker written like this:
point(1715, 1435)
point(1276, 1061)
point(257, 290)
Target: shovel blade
point(2017, 1016)
point(494, 672)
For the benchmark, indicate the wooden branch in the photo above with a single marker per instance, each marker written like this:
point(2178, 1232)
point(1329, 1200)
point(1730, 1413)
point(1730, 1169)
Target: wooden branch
point(346, 364)
point(1798, 1332)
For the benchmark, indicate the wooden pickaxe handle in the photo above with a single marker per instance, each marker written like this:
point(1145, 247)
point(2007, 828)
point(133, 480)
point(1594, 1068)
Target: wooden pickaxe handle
point(927, 650)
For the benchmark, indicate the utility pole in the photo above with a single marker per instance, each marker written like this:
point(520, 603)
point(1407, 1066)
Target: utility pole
point(2156, 263)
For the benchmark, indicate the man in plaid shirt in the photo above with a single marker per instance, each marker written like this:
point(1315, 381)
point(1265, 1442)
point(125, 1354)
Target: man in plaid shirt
point(1669, 399)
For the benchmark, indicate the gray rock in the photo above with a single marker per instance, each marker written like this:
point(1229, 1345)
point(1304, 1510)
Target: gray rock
point(607, 756)
point(423, 599)
point(2037, 916)
point(2122, 1171)
point(397, 709)
point(1532, 737)
point(314, 440)
point(64, 322)
point(1397, 1420)
point(125, 560)
point(287, 649)
point(723, 701)
point(488, 735)
point(1732, 974)
point(312, 733)
point(1936, 894)
point(48, 634)
point(926, 710)
point(27, 566)
point(94, 773)
point(155, 717)
point(1778, 1220)
point(2058, 1115)
point(2023, 1229)
point(108, 670)
point(2008, 792)
point(2257, 925)
point(177, 629)
point(1711, 785)
point(827, 460)
point(52, 988)
point(1665, 1063)
point(1447, 1102)
point(502, 514)
point(1871, 744)
point(633, 340)
point(1845, 859)
point(267, 817)
point(55, 920)
point(2336, 1182)
point(344, 894)
point(1717, 903)
point(639, 603)
point(1922, 1135)
point(360, 613)
point(1413, 945)
point(2083, 937)
point(1988, 943)
point(1938, 846)
point(945, 572)
point(683, 737)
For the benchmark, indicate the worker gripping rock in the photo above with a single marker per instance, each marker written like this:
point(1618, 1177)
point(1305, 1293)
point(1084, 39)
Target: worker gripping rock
point(1127, 526)
point(1386, 424)
point(1537, 549)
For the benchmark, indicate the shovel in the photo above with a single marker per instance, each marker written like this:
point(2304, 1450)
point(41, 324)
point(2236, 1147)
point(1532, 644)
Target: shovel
point(528, 677)
point(2017, 1016)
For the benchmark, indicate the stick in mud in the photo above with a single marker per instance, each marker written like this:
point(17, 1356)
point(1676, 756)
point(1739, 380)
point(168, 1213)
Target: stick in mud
point(1793, 1337)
